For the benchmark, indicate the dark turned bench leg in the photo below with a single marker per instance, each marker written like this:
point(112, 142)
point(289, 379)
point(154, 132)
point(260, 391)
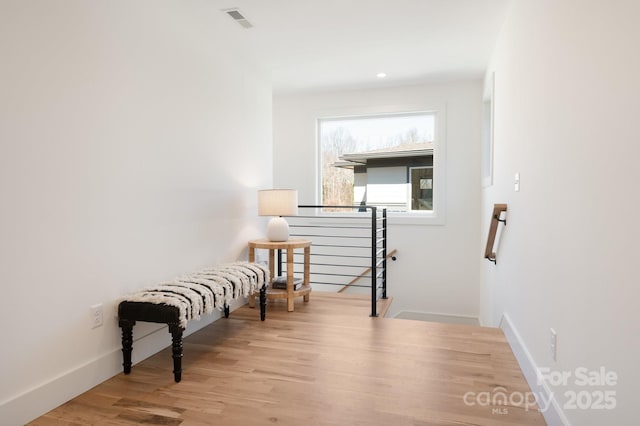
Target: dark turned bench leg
point(263, 302)
point(127, 343)
point(176, 349)
point(226, 310)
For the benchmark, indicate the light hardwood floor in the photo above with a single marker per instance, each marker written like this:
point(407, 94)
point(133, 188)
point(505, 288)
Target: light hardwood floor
point(326, 363)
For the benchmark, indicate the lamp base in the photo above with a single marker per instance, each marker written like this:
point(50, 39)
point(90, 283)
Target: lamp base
point(278, 230)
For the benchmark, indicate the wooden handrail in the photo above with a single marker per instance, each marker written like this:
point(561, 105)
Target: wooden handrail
point(391, 254)
point(493, 230)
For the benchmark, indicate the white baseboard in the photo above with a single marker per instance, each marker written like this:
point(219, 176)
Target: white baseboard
point(553, 415)
point(48, 395)
point(437, 317)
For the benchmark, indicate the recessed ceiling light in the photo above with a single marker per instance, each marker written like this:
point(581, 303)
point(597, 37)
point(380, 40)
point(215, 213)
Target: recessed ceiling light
point(381, 75)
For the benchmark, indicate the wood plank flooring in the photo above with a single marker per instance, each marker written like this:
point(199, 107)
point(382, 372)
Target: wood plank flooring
point(326, 363)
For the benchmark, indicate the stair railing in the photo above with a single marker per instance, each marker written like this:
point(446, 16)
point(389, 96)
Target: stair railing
point(489, 253)
point(345, 240)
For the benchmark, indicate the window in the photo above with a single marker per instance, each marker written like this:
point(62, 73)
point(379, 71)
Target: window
point(382, 160)
point(421, 184)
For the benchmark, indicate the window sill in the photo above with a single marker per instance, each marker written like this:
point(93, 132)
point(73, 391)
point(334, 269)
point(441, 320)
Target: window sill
point(393, 218)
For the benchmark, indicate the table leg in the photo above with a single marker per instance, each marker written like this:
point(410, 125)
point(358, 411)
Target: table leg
point(307, 270)
point(290, 279)
point(271, 263)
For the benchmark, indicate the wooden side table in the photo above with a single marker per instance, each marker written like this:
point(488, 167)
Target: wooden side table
point(289, 246)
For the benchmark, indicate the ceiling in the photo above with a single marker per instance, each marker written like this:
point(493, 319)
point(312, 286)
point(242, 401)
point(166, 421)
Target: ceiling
point(312, 45)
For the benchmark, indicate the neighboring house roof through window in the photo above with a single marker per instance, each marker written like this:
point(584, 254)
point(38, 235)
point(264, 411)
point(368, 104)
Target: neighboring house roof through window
point(419, 149)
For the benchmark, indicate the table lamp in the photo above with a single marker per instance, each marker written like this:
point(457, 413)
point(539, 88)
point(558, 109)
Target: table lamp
point(278, 202)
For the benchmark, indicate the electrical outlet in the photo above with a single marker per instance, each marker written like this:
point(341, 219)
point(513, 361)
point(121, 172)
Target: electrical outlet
point(554, 344)
point(96, 315)
point(516, 182)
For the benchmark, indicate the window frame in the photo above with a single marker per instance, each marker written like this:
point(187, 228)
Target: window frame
point(436, 216)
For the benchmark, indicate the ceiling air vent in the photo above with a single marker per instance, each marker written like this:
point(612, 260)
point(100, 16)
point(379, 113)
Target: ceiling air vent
point(238, 17)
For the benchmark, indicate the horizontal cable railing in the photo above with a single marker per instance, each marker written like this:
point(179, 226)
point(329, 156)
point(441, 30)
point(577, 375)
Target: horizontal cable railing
point(348, 251)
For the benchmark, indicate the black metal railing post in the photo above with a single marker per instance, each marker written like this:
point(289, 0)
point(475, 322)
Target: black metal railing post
point(384, 253)
point(374, 261)
point(279, 263)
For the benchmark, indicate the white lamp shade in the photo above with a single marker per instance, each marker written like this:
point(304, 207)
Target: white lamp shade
point(278, 202)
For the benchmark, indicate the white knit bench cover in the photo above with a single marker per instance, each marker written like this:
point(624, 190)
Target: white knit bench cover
point(201, 292)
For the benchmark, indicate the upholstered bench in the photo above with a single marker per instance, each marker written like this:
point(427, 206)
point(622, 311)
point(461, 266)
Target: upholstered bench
point(188, 298)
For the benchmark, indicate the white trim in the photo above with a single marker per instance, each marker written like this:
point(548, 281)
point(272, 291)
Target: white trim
point(554, 415)
point(466, 319)
point(52, 393)
point(414, 217)
point(37, 401)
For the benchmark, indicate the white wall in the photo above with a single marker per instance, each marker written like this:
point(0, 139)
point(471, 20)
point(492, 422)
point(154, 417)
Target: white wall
point(437, 268)
point(566, 117)
point(132, 141)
